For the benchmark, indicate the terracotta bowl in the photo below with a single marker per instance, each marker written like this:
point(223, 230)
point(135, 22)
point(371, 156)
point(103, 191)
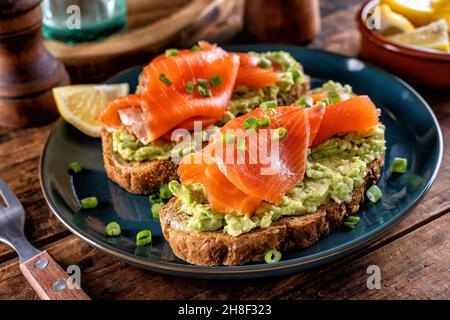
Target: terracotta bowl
point(420, 66)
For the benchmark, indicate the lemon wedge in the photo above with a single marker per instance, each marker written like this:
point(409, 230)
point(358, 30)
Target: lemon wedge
point(80, 104)
point(432, 36)
point(441, 10)
point(419, 12)
point(391, 22)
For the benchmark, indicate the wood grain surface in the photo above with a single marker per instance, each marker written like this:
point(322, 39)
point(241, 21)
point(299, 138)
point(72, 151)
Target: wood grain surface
point(414, 256)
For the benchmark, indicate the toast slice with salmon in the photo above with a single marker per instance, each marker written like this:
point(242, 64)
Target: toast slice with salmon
point(215, 248)
point(208, 85)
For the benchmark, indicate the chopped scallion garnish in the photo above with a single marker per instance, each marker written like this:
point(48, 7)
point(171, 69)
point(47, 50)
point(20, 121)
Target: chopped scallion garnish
point(264, 63)
point(279, 134)
point(143, 238)
point(203, 91)
point(296, 76)
point(154, 198)
point(399, 165)
point(354, 219)
point(171, 52)
point(263, 122)
point(165, 192)
point(165, 80)
point(333, 96)
point(374, 194)
point(89, 202)
point(113, 229)
point(155, 209)
point(190, 87)
point(272, 256)
point(215, 81)
point(266, 105)
point(202, 83)
point(305, 101)
point(75, 167)
point(250, 123)
point(195, 47)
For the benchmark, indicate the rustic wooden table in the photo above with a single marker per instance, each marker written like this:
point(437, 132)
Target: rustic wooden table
point(414, 256)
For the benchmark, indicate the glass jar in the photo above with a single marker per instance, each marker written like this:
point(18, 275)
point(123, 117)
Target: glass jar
point(74, 21)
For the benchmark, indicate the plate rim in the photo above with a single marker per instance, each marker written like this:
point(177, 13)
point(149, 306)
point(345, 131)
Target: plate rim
point(253, 271)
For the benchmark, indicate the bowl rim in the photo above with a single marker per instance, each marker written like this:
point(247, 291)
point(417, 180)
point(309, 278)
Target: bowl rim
point(379, 40)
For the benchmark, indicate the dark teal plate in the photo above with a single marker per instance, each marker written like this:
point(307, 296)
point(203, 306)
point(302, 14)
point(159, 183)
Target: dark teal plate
point(412, 132)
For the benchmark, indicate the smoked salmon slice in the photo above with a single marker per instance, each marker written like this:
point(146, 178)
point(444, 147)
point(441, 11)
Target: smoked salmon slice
point(278, 164)
point(253, 76)
point(165, 102)
point(355, 114)
point(315, 116)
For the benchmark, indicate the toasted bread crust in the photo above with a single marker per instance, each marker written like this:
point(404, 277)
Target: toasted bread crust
point(297, 232)
point(138, 177)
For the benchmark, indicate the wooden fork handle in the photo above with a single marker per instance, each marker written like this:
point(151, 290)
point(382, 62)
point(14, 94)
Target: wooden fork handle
point(49, 280)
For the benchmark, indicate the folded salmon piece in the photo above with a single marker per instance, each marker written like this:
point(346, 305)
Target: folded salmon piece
point(242, 166)
point(166, 102)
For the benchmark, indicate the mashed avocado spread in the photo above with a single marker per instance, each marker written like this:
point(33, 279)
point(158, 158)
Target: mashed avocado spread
point(334, 169)
point(242, 101)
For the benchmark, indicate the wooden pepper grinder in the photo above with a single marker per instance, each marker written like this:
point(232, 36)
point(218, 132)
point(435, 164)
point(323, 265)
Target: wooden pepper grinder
point(27, 70)
point(291, 21)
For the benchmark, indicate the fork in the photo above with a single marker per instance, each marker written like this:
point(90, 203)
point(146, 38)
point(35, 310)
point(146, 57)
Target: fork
point(43, 273)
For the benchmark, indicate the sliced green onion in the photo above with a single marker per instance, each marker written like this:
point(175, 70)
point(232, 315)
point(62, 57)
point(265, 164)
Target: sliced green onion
point(279, 134)
point(349, 224)
point(374, 193)
point(399, 165)
point(297, 76)
point(215, 81)
point(326, 102)
point(195, 47)
point(165, 80)
point(353, 219)
point(171, 52)
point(113, 229)
point(143, 238)
point(228, 138)
point(75, 167)
point(272, 256)
point(89, 202)
point(155, 209)
point(165, 192)
point(266, 105)
point(202, 83)
point(305, 101)
point(241, 145)
point(264, 63)
point(204, 92)
point(250, 123)
point(333, 96)
point(190, 87)
point(154, 198)
point(263, 122)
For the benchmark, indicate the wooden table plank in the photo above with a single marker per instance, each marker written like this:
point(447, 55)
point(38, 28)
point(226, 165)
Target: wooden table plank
point(19, 167)
point(416, 266)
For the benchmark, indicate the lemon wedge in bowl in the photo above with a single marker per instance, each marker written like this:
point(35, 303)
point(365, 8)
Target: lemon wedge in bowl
point(391, 22)
point(432, 36)
point(80, 104)
point(419, 12)
point(441, 10)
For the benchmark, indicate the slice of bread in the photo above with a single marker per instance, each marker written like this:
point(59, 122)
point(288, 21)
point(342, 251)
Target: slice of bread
point(138, 177)
point(145, 177)
point(295, 232)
